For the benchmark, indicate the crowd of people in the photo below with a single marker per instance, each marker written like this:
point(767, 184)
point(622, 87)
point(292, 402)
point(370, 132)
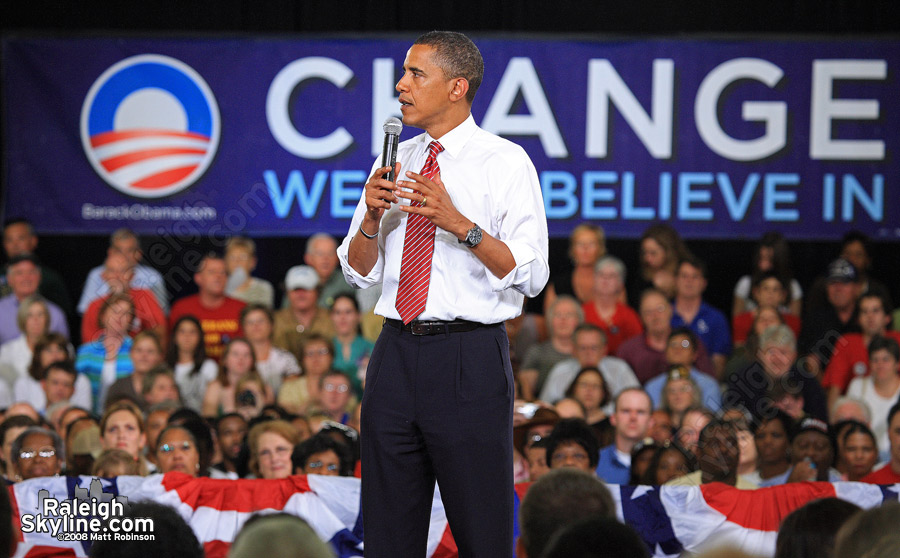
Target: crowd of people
point(629, 375)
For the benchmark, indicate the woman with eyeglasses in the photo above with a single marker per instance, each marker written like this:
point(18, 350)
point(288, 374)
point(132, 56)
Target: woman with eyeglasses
point(336, 398)
point(176, 450)
point(322, 455)
point(271, 444)
point(37, 452)
point(298, 394)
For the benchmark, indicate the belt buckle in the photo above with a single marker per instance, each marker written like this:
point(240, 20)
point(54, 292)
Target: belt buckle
point(422, 328)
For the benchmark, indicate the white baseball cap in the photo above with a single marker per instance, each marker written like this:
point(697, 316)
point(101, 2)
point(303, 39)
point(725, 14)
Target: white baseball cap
point(301, 277)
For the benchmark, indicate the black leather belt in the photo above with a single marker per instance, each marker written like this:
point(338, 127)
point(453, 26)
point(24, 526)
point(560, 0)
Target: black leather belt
point(417, 327)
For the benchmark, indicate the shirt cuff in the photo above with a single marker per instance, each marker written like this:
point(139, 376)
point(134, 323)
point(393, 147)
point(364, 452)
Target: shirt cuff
point(520, 276)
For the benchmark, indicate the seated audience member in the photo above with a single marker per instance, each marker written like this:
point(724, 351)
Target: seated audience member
point(113, 463)
point(176, 450)
point(536, 456)
point(823, 325)
point(562, 318)
point(589, 389)
point(681, 351)
point(186, 355)
point(19, 238)
point(631, 421)
point(58, 383)
point(870, 534)
point(747, 456)
point(335, 396)
point(708, 323)
point(50, 348)
point(718, 456)
point(23, 275)
point(146, 354)
point(108, 358)
point(278, 535)
point(250, 397)
point(587, 244)
point(558, 499)
point(148, 315)
point(219, 314)
point(271, 444)
point(23, 408)
point(322, 455)
point(589, 350)
point(857, 450)
point(669, 461)
point(890, 472)
point(772, 255)
point(10, 429)
point(679, 393)
point(196, 425)
point(302, 317)
point(661, 250)
point(125, 242)
point(662, 428)
point(693, 422)
point(880, 390)
point(240, 261)
point(773, 436)
point(238, 362)
point(231, 429)
point(606, 308)
point(155, 420)
point(568, 407)
point(68, 416)
point(812, 453)
point(641, 455)
point(298, 394)
point(122, 427)
point(179, 540)
point(527, 433)
point(321, 255)
point(273, 363)
point(847, 408)
point(344, 435)
point(571, 443)
point(809, 531)
point(745, 355)
point(37, 452)
point(33, 320)
point(597, 538)
point(768, 292)
point(851, 357)
point(159, 387)
point(351, 349)
point(775, 364)
point(646, 354)
point(83, 446)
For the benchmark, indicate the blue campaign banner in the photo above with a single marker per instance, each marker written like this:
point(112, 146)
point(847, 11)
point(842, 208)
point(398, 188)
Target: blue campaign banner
point(276, 137)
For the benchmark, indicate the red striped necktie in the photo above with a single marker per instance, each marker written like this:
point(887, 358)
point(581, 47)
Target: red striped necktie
point(418, 248)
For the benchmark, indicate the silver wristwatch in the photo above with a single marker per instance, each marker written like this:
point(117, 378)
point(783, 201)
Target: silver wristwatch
point(473, 237)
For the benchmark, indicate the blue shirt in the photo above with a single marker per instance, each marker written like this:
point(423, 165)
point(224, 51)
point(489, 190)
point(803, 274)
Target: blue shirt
point(610, 469)
point(710, 393)
point(711, 327)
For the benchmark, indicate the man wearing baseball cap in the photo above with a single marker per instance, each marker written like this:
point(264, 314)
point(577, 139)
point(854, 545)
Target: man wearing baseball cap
point(302, 315)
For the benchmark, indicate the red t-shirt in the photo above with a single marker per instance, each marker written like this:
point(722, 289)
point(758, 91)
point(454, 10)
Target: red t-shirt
point(625, 324)
point(220, 325)
point(850, 360)
point(743, 323)
point(147, 314)
point(885, 475)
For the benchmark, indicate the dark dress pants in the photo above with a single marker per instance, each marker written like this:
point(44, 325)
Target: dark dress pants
point(438, 407)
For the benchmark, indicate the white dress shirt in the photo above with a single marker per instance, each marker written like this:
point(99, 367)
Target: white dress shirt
point(493, 183)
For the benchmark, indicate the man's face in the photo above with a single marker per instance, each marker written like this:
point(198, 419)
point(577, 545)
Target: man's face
point(691, 426)
point(129, 248)
point(58, 386)
point(656, 313)
point(18, 240)
point(632, 416)
point(24, 278)
point(424, 90)
point(163, 389)
point(590, 348)
point(769, 293)
point(842, 294)
point(565, 319)
point(777, 359)
point(231, 434)
point(212, 277)
point(335, 394)
point(689, 283)
point(607, 281)
point(719, 453)
point(872, 318)
point(322, 256)
point(302, 299)
point(117, 272)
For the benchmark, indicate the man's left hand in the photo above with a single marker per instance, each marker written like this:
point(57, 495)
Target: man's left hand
point(438, 207)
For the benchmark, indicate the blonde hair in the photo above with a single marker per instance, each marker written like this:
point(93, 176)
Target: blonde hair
point(280, 427)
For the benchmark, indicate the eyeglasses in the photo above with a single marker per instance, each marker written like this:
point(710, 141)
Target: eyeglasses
point(169, 448)
point(46, 453)
point(340, 388)
point(318, 464)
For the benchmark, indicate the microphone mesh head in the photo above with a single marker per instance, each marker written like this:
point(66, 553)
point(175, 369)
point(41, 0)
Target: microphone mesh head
point(393, 126)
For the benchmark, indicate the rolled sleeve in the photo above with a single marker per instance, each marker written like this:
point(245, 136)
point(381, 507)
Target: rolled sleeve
point(353, 277)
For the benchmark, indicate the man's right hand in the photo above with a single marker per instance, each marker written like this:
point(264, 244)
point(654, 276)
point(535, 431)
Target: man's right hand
point(380, 193)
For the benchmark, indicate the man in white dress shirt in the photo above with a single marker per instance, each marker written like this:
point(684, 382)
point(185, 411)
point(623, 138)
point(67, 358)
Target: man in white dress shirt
point(439, 388)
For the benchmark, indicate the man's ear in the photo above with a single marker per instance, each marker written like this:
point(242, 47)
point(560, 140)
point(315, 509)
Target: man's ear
point(459, 90)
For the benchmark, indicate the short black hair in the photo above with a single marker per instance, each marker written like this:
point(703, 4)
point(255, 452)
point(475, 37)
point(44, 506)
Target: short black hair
point(319, 443)
point(888, 344)
point(597, 537)
point(457, 56)
point(574, 430)
point(173, 538)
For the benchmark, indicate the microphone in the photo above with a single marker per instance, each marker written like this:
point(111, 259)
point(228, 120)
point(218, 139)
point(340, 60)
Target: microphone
point(392, 128)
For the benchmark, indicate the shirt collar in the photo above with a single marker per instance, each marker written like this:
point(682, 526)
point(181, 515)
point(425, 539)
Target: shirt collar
point(454, 140)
